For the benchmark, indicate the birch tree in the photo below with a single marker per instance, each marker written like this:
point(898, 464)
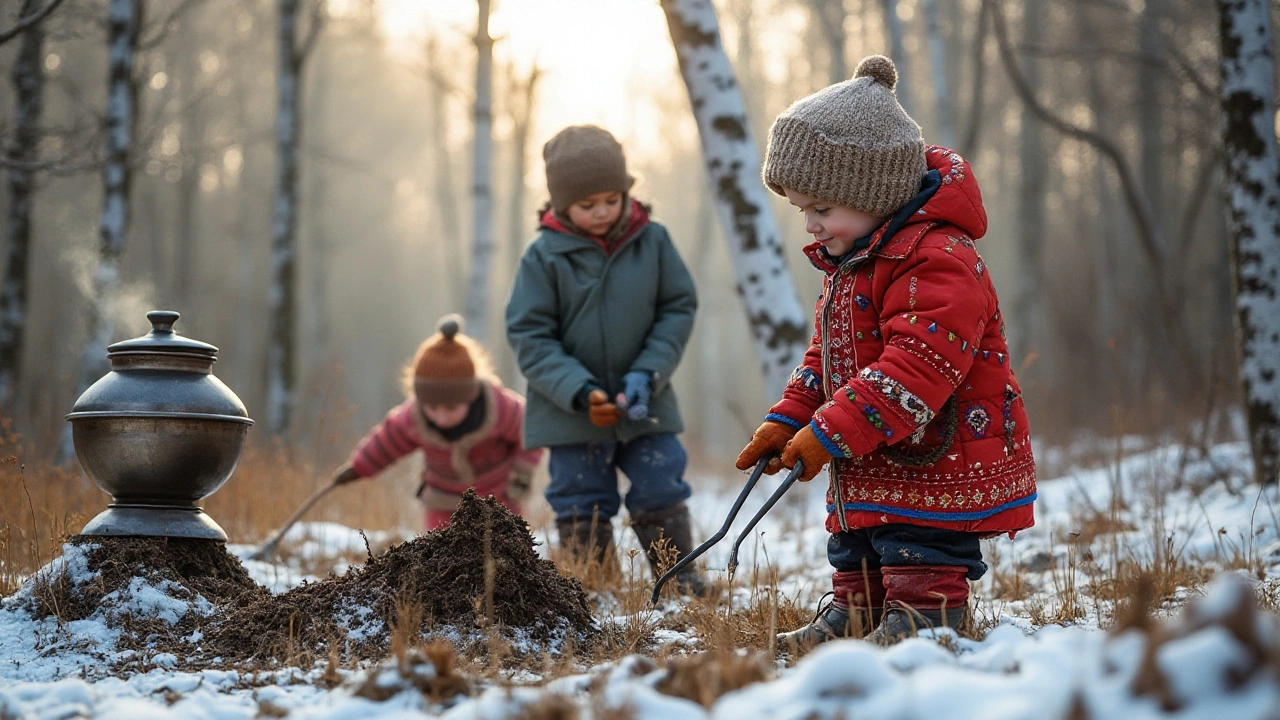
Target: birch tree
point(124, 23)
point(481, 181)
point(1253, 203)
point(779, 326)
point(293, 48)
point(28, 85)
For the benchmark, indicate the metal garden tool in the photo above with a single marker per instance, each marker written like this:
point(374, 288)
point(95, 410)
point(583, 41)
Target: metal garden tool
point(728, 521)
point(268, 549)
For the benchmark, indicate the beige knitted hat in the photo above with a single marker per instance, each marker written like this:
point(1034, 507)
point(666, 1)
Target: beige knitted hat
point(850, 143)
point(583, 160)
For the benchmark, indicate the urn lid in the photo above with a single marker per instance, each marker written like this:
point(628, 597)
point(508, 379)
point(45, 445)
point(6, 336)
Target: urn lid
point(163, 340)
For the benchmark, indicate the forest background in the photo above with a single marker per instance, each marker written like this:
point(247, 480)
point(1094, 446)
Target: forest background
point(1117, 325)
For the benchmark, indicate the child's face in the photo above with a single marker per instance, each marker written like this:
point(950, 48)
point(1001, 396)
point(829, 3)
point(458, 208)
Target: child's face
point(835, 226)
point(597, 213)
point(445, 416)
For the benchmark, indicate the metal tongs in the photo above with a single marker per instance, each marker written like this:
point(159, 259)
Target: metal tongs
point(733, 513)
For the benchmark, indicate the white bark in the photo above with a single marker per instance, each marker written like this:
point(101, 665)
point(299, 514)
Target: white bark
point(1253, 202)
point(28, 85)
point(779, 325)
point(944, 114)
point(281, 381)
point(898, 52)
point(124, 20)
point(481, 182)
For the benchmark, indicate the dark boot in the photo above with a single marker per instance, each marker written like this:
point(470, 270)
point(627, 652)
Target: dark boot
point(855, 609)
point(922, 597)
point(588, 540)
point(666, 536)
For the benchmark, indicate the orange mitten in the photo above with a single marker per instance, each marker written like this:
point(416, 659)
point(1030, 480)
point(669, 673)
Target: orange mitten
point(602, 412)
point(772, 436)
point(806, 448)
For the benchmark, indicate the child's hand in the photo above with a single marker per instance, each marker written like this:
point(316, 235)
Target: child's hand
point(637, 387)
point(806, 448)
point(602, 412)
point(770, 437)
point(519, 484)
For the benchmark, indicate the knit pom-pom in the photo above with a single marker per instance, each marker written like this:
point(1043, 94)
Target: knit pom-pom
point(879, 68)
point(450, 325)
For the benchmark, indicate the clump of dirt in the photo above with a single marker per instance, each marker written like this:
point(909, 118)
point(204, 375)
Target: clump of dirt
point(480, 568)
point(201, 567)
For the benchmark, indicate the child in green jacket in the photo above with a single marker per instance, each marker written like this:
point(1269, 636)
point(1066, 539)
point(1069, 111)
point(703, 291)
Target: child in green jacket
point(600, 312)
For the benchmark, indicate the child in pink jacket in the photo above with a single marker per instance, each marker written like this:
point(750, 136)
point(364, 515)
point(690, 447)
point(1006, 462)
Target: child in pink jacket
point(467, 425)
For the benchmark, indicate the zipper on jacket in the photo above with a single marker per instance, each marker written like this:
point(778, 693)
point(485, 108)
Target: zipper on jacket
point(837, 487)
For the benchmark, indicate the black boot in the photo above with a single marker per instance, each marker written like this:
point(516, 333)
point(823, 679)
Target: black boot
point(589, 540)
point(666, 536)
point(902, 621)
point(833, 622)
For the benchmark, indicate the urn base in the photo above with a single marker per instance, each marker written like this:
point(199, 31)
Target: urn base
point(155, 521)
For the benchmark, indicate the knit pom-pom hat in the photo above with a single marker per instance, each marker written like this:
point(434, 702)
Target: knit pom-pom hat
point(583, 160)
point(850, 143)
point(444, 369)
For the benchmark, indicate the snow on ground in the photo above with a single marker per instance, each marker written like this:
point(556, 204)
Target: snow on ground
point(1202, 511)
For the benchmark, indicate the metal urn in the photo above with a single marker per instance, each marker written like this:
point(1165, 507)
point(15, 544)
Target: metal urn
point(159, 433)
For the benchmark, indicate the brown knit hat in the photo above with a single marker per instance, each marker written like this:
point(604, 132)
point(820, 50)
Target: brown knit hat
point(583, 160)
point(444, 372)
point(850, 143)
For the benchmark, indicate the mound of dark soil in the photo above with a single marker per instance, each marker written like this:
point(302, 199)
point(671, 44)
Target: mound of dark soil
point(437, 579)
point(200, 566)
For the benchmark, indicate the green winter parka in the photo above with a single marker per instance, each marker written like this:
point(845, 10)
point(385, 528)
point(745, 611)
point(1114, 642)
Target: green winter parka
point(577, 314)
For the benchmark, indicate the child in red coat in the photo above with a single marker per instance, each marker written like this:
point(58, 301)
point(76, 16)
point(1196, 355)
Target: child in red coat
point(907, 390)
point(464, 421)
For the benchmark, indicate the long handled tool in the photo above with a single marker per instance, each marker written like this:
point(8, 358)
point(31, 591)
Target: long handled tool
point(728, 521)
point(268, 549)
point(787, 482)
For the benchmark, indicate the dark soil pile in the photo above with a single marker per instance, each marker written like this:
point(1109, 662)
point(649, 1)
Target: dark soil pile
point(438, 580)
point(200, 566)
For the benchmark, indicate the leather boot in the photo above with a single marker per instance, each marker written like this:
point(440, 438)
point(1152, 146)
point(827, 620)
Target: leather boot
point(589, 540)
point(921, 597)
point(666, 536)
point(855, 609)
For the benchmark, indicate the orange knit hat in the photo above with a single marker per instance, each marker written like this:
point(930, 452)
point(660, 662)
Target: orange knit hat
point(444, 372)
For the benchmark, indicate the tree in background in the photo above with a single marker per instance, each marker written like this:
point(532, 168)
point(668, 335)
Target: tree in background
point(778, 324)
point(124, 24)
point(292, 52)
point(21, 158)
point(481, 182)
point(1253, 201)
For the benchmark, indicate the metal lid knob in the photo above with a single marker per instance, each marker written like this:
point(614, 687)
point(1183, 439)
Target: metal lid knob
point(163, 339)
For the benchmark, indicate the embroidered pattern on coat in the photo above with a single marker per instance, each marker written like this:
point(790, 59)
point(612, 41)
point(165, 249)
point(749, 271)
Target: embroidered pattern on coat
point(977, 419)
point(934, 360)
point(915, 408)
point(806, 378)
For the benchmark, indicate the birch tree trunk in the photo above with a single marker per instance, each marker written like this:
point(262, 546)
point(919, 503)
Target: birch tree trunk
point(944, 113)
point(481, 181)
point(124, 21)
point(898, 53)
point(1253, 209)
point(778, 324)
point(28, 85)
point(444, 201)
point(282, 338)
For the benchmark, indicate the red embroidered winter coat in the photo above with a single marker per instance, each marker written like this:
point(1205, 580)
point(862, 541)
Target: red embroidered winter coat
point(485, 458)
point(909, 348)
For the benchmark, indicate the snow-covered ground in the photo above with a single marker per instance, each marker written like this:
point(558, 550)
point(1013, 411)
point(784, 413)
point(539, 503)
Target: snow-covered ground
point(1214, 659)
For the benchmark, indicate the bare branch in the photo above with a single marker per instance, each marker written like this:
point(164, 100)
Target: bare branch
point(318, 19)
point(165, 25)
point(29, 21)
point(1148, 229)
point(969, 145)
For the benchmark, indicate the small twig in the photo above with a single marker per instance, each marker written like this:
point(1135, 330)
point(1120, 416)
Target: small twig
point(367, 551)
point(29, 21)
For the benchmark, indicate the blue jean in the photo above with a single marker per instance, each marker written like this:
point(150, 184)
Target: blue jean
point(905, 545)
point(584, 478)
